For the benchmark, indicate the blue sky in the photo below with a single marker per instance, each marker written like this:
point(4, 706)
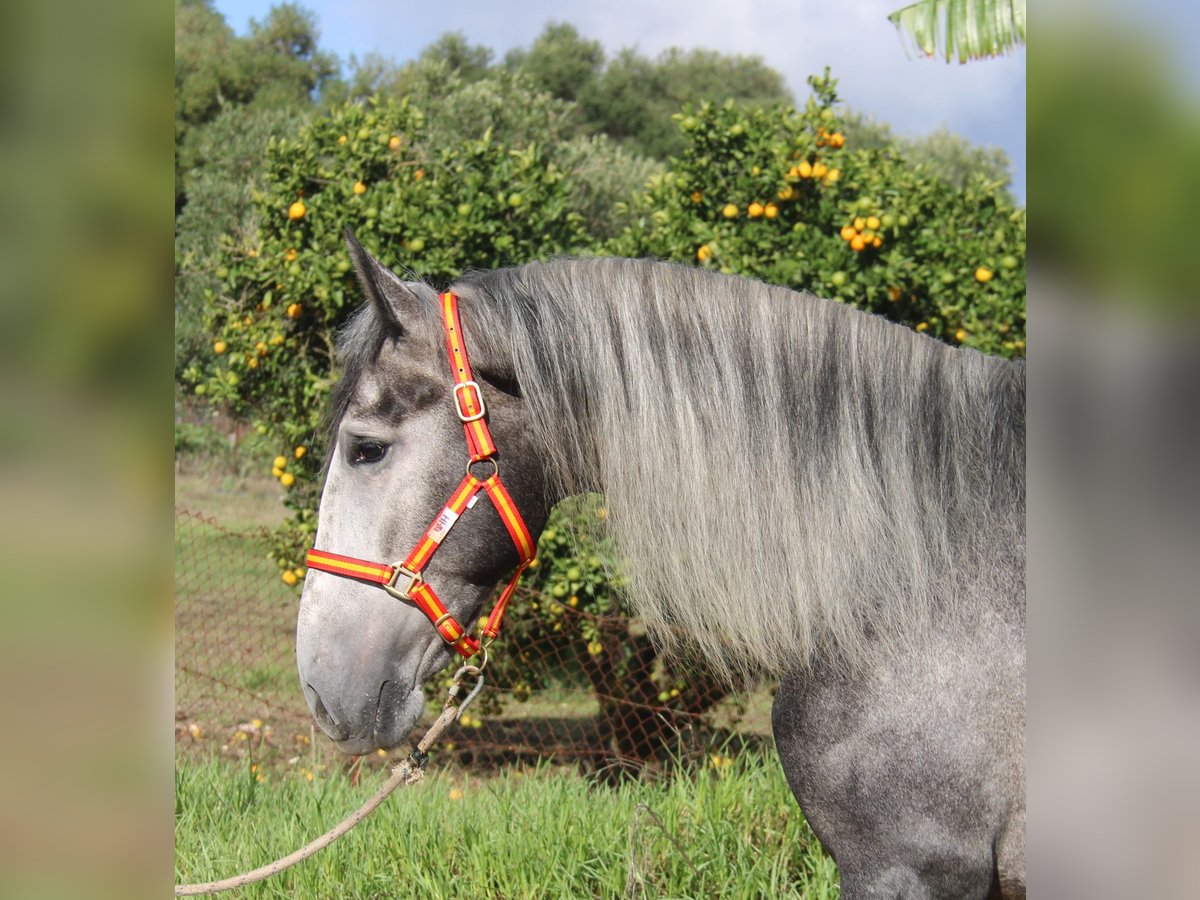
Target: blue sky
point(983, 101)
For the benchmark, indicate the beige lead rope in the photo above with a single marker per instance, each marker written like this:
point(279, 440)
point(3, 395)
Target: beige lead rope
point(409, 771)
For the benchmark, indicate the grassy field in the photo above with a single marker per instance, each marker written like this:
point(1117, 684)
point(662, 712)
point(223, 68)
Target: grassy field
point(726, 830)
point(236, 501)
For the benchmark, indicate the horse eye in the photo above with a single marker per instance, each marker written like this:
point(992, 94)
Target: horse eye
point(368, 452)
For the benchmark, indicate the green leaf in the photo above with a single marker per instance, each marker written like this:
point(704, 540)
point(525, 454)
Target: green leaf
point(962, 29)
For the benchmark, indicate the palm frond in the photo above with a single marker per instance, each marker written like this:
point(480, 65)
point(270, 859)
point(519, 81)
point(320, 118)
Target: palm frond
point(962, 29)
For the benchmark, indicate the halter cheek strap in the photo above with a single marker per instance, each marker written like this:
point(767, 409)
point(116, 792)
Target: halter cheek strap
point(404, 580)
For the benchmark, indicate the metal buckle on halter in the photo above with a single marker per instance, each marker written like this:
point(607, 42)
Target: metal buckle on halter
point(458, 404)
point(398, 572)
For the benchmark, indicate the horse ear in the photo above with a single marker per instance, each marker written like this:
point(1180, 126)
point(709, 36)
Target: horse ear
point(394, 300)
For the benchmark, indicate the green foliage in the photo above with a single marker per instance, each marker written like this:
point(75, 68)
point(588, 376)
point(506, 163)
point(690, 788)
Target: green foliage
point(276, 65)
point(634, 98)
point(560, 61)
point(726, 830)
point(949, 156)
point(776, 194)
point(442, 68)
point(220, 206)
point(281, 56)
point(605, 175)
point(197, 438)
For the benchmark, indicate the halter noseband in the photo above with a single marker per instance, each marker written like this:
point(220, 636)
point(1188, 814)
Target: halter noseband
point(403, 580)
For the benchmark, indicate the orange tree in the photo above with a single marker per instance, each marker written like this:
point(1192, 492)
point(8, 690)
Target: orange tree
point(779, 194)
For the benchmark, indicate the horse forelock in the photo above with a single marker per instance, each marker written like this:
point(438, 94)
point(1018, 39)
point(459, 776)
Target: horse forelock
point(784, 475)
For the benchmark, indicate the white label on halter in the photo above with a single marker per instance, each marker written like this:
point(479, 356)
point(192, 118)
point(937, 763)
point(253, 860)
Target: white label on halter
point(442, 525)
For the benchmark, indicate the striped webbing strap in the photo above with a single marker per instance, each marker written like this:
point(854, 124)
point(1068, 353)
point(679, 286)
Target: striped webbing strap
point(404, 580)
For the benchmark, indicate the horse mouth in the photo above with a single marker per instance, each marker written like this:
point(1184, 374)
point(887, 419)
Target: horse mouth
point(396, 712)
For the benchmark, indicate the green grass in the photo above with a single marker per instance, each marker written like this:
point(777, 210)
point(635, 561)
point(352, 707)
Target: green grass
point(731, 831)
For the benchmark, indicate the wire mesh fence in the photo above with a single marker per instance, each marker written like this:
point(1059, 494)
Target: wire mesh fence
point(607, 703)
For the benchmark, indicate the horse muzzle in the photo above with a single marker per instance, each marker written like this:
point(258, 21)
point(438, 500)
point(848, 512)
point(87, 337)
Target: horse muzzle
point(363, 727)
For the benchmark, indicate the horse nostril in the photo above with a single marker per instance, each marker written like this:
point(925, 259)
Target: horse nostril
point(328, 724)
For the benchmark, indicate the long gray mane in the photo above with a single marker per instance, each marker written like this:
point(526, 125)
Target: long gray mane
point(784, 475)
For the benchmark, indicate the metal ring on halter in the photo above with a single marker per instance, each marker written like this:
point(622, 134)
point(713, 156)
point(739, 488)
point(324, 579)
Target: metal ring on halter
point(486, 459)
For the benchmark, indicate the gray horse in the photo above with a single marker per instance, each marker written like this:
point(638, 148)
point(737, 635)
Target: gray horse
point(809, 491)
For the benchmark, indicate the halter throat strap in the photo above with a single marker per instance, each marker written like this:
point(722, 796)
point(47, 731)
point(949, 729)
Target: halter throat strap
point(404, 580)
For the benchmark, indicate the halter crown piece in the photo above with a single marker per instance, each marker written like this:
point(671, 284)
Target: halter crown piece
point(404, 580)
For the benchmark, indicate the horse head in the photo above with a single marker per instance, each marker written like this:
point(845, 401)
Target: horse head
point(398, 452)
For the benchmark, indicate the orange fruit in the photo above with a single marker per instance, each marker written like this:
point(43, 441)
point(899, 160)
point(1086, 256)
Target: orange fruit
point(290, 256)
point(805, 169)
point(697, 196)
point(837, 139)
point(297, 210)
point(359, 188)
point(877, 242)
point(860, 223)
point(419, 174)
point(873, 223)
point(294, 310)
point(819, 170)
point(786, 193)
point(279, 462)
point(730, 211)
point(922, 326)
point(299, 452)
point(848, 232)
point(220, 347)
point(703, 253)
point(982, 275)
point(287, 479)
point(394, 143)
point(755, 210)
point(342, 139)
point(858, 243)
point(960, 335)
point(833, 175)
point(770, 210)
point(289, 578)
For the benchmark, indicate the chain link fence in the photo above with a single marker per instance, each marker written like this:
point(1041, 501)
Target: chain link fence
point(609, 704)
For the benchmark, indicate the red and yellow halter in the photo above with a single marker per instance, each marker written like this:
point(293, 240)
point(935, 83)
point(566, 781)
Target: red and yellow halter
point(404, 580)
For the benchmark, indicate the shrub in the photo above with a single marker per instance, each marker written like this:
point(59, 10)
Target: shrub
point(778, 194)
